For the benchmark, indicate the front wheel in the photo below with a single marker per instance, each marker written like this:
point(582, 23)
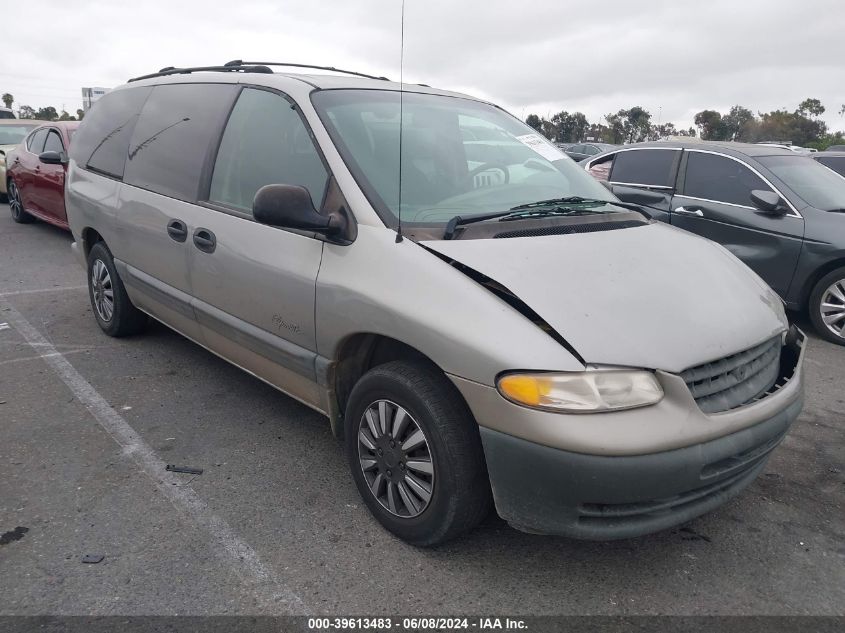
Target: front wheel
point(16, 205)
point(415, 453)
point(827, 306)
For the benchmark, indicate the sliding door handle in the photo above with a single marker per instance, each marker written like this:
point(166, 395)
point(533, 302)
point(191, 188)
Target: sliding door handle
point(177, 230)
point(205, 240)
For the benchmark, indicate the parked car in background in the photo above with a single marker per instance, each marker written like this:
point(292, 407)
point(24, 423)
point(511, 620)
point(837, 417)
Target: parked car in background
point(12, 132)
point(836, 148)
point(832, 159)
point(6, 113)
point(580, 151)
point(609, 375)
point(781, 213)
point(792, 148)
point(35, 175)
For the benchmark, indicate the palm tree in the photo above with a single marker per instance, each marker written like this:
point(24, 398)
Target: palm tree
point(8, 99)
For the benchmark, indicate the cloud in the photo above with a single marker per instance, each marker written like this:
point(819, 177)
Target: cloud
point(673, 58)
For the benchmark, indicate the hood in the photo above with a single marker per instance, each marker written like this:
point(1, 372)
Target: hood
point(653, 296)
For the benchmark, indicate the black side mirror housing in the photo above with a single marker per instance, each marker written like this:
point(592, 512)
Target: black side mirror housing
point(291, 207)
point(53, 158)
point(768, 201)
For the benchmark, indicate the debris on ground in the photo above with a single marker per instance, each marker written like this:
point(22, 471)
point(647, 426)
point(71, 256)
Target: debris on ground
point(93, 558)
point(13, 535)
point(183, 469)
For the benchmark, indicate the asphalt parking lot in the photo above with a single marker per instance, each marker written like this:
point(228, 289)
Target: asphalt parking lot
point(274, 524)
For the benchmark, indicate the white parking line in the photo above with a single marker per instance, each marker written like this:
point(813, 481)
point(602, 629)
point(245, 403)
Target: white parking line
point(270, 592)
point(13, 293)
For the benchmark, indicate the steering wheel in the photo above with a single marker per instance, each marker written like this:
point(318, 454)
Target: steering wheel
point(486, 167)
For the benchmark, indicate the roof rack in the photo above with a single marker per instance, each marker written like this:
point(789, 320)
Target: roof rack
point(239, 62)
point(238, 65)
point(171, 70)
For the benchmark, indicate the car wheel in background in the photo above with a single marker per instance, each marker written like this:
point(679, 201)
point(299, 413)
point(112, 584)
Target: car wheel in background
point(112, 308)
point(16, 205)
point(827, 306)
point(415, 453)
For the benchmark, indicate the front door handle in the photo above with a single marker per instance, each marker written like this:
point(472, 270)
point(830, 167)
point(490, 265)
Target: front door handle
point(177, 230)
point(205, 240)
point(696, 211)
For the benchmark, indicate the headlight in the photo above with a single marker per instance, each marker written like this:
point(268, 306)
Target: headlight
point(582, 392)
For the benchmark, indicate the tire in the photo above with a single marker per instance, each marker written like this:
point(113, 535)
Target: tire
point(16, 204)
point(458, 484)
point(117, 317)
point(827, 295)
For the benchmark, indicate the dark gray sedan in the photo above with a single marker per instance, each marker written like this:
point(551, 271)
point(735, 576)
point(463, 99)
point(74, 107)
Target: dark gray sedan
point(781, 213)
point(581, 151)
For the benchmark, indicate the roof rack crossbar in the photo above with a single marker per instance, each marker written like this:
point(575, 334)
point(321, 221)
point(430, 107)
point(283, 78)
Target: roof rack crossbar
point(238, 62)
point(170, 70)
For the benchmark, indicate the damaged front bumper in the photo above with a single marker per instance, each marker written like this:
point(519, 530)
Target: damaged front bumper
point(609, 484)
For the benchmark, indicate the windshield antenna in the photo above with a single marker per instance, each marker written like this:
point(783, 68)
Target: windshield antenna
point(401, 90)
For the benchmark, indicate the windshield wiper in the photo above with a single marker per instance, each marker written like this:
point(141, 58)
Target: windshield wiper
point(458, 220)
point(553, 202)
point(543, 213)
point(559, 206)
point(573, 200)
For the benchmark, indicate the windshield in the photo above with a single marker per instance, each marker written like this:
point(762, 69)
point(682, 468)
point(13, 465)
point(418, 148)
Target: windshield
point(14, 134)
point(818, 186)
point(459, 156)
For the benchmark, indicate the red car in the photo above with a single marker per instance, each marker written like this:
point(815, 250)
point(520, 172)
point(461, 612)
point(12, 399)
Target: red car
point(36, 171)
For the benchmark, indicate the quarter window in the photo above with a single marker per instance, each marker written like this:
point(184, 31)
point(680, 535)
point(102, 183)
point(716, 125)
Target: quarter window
point(35, 144)
point(54, 142)
point(836, 163)
point(648, 167)
point(173, 136)
point(721, 179)
point(265, 142)
point(103, 138)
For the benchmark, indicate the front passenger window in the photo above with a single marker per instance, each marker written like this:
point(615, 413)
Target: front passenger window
point(265, 142)
point(720, 179)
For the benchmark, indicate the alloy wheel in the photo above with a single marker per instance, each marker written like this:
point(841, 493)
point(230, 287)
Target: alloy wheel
point(101, 287)
point(14, 200)
point(396, 459)
point(833, 308)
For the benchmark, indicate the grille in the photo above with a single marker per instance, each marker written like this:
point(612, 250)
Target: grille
point(735, 380)
point(568, 229)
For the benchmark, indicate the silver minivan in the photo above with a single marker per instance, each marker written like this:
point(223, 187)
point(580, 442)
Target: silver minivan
point(481, 321)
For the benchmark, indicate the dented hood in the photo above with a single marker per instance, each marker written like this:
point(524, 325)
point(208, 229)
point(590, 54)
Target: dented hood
point(652, 296)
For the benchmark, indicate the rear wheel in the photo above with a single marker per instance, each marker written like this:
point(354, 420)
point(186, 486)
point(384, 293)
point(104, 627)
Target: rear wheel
point(113, 310)
point(16, 205)
point(827, 306)
point(415, 453)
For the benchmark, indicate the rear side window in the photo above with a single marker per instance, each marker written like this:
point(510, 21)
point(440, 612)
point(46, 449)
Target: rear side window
point(35, 144)
point(171, 141)
point(265, 143)
point(54, 142)
point(721, 179)
point(102, 141)
point(647, 167)
point(836, 163)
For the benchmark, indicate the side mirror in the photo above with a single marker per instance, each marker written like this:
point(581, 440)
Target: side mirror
point(53, 158)
point(290, 207)
point(768, 201)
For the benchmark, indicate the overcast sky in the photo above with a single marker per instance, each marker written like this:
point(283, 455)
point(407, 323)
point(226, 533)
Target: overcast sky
point(674, 58)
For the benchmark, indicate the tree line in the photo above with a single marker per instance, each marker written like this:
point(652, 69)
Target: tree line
point(802, 127)
point(42, 114)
